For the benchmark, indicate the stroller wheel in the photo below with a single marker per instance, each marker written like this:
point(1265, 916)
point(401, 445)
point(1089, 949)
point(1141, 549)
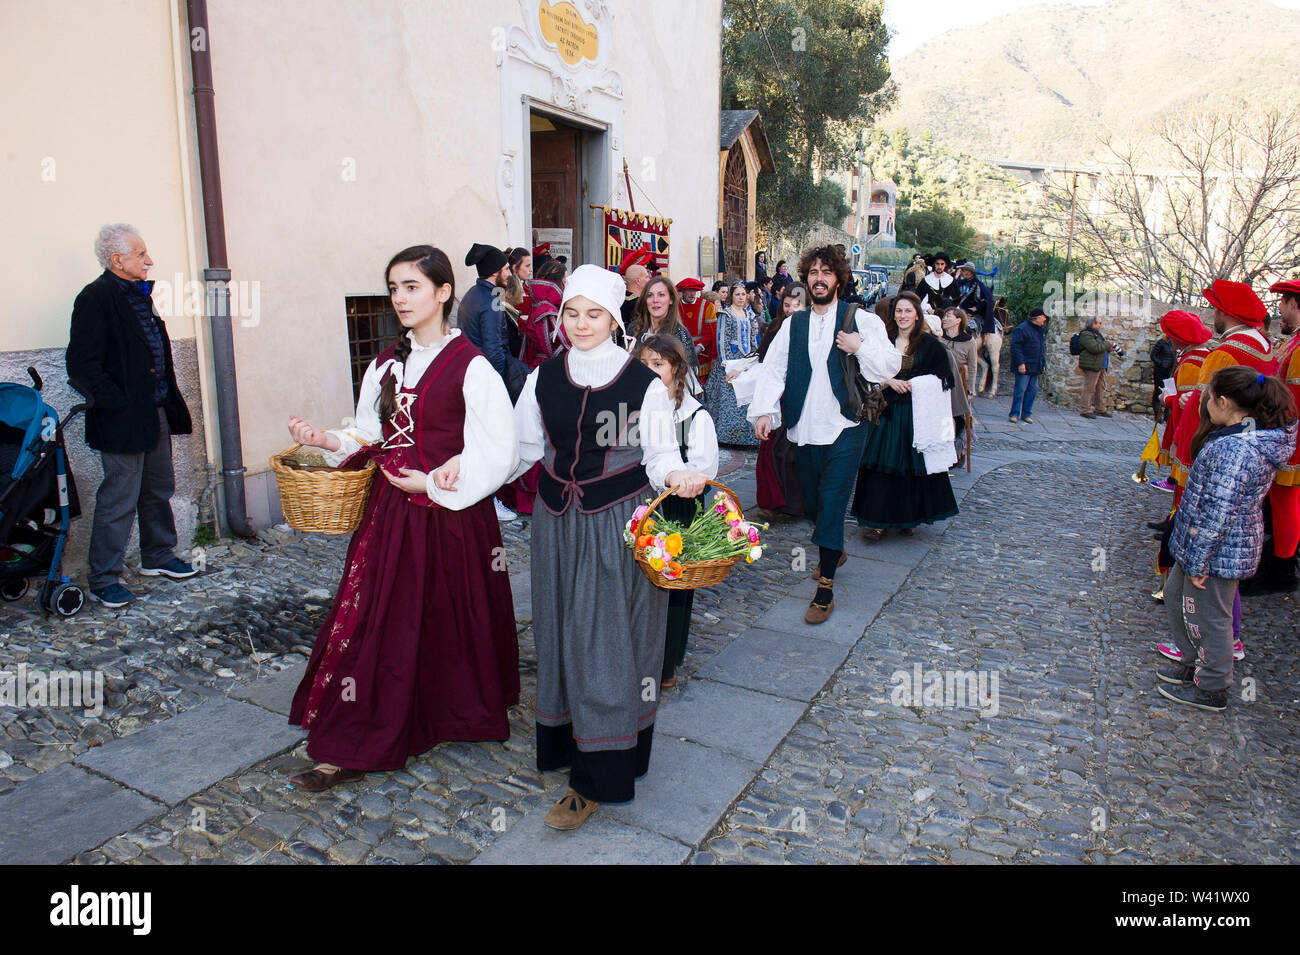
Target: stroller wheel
point(66, 600)
point(12, 590)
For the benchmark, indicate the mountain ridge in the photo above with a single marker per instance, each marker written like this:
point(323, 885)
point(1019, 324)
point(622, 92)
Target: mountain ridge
point(1050, 83)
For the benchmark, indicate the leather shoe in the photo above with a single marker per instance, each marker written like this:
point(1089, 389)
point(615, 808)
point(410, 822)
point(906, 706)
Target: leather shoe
point(872, 534)
point(316, 780)
point(817, 613)
point(570, 812)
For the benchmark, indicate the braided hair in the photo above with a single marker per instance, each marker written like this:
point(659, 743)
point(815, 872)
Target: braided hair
point(436, 267)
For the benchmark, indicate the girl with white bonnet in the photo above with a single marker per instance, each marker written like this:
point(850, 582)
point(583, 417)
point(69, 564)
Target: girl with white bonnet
point(601, 424)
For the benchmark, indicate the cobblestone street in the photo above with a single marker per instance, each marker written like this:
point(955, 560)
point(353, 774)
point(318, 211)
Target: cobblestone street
point(781, 744)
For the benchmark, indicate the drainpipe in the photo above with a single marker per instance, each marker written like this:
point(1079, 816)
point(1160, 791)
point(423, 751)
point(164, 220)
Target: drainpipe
point(216, 276)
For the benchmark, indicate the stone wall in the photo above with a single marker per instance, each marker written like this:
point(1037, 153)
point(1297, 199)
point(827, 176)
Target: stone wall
point(188, 459)
point(1129, 322)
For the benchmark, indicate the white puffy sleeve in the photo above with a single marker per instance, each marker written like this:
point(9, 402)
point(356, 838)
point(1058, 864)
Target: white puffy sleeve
point(490, 455)
point(529, 435)
point(702, 446)
point(660, 452)
point(877, 356)
point(771, 379)
point(366, 428)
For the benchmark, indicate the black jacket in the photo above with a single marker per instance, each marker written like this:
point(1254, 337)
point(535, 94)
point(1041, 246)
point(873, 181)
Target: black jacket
point(108, 355)
point(483, 320)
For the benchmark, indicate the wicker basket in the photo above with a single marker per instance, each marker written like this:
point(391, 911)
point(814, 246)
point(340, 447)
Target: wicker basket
point(321, 500)
point(698, 574)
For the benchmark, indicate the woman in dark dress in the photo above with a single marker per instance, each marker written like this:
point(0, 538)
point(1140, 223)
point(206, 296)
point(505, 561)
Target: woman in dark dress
point(894, 490)
point(420, 644)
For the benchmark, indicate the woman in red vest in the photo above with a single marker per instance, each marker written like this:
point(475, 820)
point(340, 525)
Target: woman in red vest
point(420, 645)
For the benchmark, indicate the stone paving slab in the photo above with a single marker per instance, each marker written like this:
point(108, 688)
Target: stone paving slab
point(275, 691)
point(862, 588)
point(601, 841)
point(53, 816)
point(738, 721)
point(894, 548)
point(187, 753)
point(687, 790)
point(780, 664)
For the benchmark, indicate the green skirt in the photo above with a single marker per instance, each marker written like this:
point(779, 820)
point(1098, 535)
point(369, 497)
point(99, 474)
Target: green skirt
point(893, 489)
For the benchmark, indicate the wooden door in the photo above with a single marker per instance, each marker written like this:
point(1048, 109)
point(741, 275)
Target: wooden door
point(735, 213)
point(556, 184)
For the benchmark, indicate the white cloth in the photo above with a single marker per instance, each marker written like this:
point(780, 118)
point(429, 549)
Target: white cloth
point(702, 441)
point(933, 433)
point(821, 420)
point(489, 454)
point(595, 368)
point(745, 384)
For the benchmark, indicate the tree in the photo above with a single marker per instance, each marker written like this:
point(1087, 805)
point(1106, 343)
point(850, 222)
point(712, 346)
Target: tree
point(1213, 194)
point(811, 68)
point(1033, 275)
point(937, 228)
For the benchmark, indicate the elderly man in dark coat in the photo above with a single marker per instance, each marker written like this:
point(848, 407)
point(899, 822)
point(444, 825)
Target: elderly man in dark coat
point(120, 357)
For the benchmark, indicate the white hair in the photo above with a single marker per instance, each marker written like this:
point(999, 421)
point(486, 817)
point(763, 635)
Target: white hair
point(112, 238)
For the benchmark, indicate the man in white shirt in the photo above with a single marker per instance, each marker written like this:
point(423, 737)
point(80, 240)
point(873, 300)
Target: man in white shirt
point(802, 381)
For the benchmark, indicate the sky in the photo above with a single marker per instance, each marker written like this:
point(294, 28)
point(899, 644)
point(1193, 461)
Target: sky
point(913, 22)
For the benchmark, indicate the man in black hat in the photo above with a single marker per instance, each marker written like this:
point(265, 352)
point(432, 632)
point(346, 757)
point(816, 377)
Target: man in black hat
point(482, 317)
point(938, 289)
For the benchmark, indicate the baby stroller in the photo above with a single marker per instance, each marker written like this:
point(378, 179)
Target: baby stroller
point(38, 498)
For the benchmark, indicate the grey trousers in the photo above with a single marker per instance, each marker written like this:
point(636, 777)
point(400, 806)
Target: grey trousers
point(1201, 624)
point(135, 486)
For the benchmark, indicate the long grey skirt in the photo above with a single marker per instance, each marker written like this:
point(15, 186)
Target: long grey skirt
point(599, 625)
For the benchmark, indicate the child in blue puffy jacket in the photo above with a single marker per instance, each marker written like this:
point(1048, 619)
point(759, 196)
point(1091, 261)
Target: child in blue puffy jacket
point(1247, 432)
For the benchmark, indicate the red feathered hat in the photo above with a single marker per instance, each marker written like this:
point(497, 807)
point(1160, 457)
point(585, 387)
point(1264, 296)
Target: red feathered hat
point(1185, 328)
point(690, 285)
point(1288, 285)
point(639, 257)
point(1238, 300)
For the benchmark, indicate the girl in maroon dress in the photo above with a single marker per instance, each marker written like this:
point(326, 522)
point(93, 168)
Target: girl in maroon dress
point(420, 645)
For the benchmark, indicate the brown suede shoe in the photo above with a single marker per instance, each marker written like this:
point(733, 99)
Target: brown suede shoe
point(844, 555)
point(816, 613)
point(570, 812)
point(316, 780)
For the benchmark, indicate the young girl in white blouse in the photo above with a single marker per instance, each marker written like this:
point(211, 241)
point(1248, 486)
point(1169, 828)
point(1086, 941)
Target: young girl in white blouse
point(601, 423)
point(420, 645)
point(698, 443)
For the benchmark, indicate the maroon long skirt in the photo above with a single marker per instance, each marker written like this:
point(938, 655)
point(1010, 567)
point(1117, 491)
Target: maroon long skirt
point(777, 475)
point(420, 645)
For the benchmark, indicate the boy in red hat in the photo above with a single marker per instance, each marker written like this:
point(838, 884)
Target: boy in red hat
point(701, 320)
point(1277, 572)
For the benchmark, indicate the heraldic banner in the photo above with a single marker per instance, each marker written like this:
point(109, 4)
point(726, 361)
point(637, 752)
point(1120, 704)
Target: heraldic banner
point(628, 232)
